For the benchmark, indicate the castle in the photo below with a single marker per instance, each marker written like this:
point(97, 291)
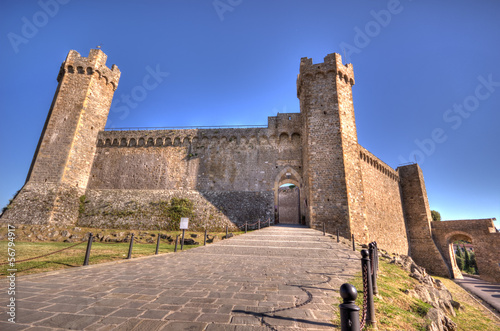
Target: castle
point(86, 175)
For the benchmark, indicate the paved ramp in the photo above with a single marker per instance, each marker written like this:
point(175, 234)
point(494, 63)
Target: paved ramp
point(277, 278)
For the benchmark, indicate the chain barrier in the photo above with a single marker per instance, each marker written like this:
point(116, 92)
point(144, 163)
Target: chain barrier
point(58, 251)
point(365, 298)
point(253, 224)
point(38, 257)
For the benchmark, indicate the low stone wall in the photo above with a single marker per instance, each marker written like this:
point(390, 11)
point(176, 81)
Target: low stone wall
point(145, 209)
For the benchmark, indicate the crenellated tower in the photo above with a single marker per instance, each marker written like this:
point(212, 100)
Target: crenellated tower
point(332, 177)
point(63, 159)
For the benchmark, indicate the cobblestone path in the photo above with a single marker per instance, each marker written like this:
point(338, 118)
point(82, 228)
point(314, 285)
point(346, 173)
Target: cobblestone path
point(277, 278)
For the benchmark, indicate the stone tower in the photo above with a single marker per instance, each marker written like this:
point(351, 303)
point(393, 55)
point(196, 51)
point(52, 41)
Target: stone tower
point(63, 159)
point(332, 177)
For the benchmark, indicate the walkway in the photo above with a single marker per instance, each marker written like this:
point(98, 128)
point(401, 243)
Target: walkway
point(489, 292)
point(278, 278)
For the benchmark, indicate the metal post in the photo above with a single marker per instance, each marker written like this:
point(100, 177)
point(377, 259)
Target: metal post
point(176, 240)
point(324, 233)
point(246, 227)
point(338, 235)
point(259, 224)
point(130, 247)
point(89, 246)
point(205, 238)
point(353, 245)
point(370, 309)
point(349, 312)
point(182, 240)
point(226, 231)
point(269, 222)
point(373, 257)
point(157, 244)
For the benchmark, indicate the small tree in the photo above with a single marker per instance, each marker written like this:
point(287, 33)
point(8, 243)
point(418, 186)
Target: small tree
point(459, 258)
point(436, 216)
point(473, 262)
point(467, 261)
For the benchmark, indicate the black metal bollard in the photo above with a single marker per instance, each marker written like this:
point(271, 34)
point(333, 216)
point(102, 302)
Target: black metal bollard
point(338, 234)
point(269, 222)
point(130, 247)
point(182, 240)
point(89, 246)
point(349, 312)
point(259, 224)
point(370, 307)
point(176, 240)
point(353, 244)
point(205, 238)
point(324, 232)
point(246, 227)
point(374, 259)
point(157, 244)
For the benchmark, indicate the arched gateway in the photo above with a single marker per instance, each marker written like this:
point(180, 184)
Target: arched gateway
point(483, 236)
point(288, 201)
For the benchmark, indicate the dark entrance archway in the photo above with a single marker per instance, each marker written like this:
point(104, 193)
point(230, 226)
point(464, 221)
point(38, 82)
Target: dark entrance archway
point(288, 202)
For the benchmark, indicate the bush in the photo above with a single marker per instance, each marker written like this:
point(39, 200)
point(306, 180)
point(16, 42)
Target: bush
point(179, 207)
point(436, 216)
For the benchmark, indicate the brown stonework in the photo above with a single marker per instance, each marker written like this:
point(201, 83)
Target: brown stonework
point(61, 166)
point(384, 210)
point(418, 219)
point(232, 175)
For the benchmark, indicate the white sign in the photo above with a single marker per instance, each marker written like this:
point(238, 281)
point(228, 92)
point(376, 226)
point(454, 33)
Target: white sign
point(184, 223)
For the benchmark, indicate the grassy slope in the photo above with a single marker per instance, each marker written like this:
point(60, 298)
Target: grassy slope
point(397, 311)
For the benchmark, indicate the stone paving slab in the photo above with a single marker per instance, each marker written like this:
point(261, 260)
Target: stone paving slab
point(277, 278)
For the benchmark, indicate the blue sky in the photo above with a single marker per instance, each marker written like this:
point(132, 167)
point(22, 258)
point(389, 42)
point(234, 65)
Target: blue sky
point(427, 76)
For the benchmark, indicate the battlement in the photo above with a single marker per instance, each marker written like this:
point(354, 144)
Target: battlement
point(200, 138)
point(95, 63)
point(332, 63)
point(378, 164)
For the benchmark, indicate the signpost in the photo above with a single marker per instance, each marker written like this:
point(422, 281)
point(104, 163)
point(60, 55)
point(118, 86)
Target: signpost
point(183, 226)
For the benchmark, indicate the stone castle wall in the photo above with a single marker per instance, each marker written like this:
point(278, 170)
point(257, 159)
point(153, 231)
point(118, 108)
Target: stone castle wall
point(384, 211)
point(213, 159)
point(230, 174)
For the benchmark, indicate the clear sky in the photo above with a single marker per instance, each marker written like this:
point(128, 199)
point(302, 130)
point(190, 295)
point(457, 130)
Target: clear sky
point(427, 76)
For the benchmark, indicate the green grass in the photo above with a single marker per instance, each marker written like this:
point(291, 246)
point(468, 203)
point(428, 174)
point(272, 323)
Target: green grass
point(394, 310)
point(73, 257)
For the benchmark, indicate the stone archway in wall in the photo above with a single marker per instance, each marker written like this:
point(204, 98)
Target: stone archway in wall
point(451, 238)
point(484, 238)
point(287, 202)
